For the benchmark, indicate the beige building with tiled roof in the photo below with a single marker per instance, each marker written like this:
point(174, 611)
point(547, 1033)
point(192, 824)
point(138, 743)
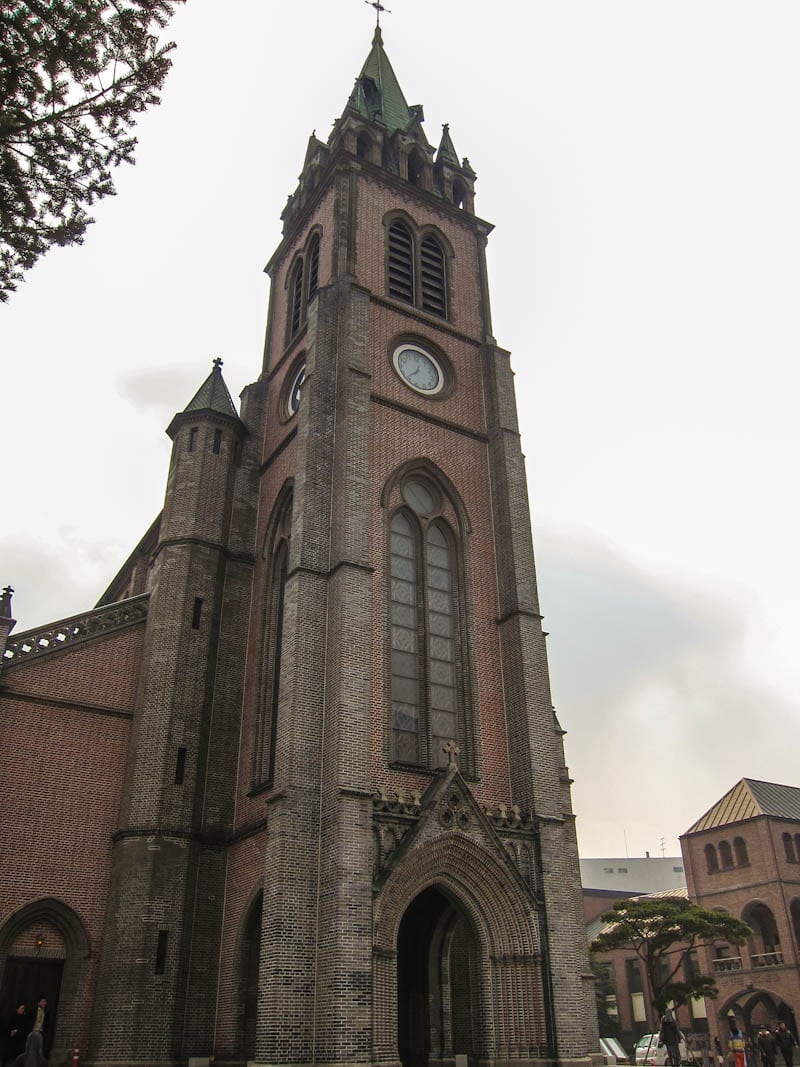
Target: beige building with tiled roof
point(743, 856)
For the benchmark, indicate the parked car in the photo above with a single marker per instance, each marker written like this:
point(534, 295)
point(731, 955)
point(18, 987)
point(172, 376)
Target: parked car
point(648, 1054)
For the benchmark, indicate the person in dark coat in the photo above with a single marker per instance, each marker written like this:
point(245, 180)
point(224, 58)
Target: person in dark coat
point(669, 1035)
point(785, 1040)
point(766, 1046)
point(16, 1028)
point(33, 1056)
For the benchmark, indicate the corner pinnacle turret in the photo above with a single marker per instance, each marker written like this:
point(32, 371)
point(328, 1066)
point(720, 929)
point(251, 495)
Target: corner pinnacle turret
point(381, 129)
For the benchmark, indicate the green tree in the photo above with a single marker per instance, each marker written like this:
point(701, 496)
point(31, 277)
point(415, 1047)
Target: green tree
point(74, 77)
point(605, 991)
point(663, 931)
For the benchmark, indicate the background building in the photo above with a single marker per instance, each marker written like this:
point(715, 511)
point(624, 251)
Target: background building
point(742, 857)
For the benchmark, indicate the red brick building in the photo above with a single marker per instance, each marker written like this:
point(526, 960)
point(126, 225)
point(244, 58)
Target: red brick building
point(295, 792)
point(742, 857)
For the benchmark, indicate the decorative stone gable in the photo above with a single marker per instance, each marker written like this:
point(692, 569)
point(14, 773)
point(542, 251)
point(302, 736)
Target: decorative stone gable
point(406, 823)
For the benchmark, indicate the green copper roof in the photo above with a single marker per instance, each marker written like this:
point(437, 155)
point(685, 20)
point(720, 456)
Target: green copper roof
point(388, 105)
point(213, 395)
point(446, 153)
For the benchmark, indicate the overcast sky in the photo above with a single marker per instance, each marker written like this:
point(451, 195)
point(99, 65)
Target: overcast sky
point(641, 162)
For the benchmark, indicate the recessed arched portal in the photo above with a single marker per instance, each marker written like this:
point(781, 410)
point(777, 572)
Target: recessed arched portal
point(758, 1007)
point(44, 952)
point(437, 1007)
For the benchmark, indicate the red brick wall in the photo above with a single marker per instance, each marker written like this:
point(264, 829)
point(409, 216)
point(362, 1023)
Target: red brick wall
point(61, 769)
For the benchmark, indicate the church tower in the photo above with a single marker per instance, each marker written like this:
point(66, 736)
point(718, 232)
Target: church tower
point(339, 830)
point(420, 896)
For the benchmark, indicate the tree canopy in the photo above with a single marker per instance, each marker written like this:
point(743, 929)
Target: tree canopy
point(74, 76)
point(664, 932)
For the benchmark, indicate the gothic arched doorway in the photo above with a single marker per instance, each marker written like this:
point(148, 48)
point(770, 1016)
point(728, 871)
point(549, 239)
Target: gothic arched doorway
point(250, 960)
point(437, 1015)
point(44, 949)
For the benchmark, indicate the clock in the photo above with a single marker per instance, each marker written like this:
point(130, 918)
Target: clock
point(295, 389)
point(419, 369)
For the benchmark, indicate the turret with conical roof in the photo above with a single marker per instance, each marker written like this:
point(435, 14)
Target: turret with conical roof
point(178, 793)
point(207, 434)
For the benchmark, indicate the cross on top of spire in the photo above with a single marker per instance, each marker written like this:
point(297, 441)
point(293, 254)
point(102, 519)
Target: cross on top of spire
point(378, 8)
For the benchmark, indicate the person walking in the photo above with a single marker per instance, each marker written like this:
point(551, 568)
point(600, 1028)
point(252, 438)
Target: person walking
point(34, 1046)
point(15, 1031)
point(786, 1041)
point(669, 1035)
point(766, 1046)
point(735, 1042)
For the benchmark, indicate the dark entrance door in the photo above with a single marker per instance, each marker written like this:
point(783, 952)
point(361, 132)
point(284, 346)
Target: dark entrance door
point(26, 981)
point(435, 982)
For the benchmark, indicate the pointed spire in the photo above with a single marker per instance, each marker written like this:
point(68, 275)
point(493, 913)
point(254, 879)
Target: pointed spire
point(446, 153)
point(377, 94)
point(213, 395)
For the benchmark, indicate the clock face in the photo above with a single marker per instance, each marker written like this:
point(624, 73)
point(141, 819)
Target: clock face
point(419, 369)
point(293, 400)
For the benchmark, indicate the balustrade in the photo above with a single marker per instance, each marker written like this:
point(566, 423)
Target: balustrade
point(58, 634)
point(728, 963)
point(766, 959)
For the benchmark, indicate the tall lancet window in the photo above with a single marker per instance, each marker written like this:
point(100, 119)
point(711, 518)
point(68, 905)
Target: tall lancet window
point(428, 675)
point(277, 559)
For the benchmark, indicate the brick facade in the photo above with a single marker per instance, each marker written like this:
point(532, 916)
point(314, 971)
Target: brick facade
point(278, 886)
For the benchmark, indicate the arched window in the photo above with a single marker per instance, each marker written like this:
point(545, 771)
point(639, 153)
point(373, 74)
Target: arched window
point(416, 168)
point(278, 557)
point(764, 943)
point(711, 859)
point(296, 298)
point(434, 292)
point(313, 266)
point(794, 910)
point(740, 852)
point(788, 848)
point(426, 642)
point(459, 193)
point(363, 145)
point(725, 855)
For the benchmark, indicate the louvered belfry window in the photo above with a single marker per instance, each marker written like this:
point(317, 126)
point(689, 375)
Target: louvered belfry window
point(401, 263)
point(434, 297)
point(297, 297)
point(313, 267)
